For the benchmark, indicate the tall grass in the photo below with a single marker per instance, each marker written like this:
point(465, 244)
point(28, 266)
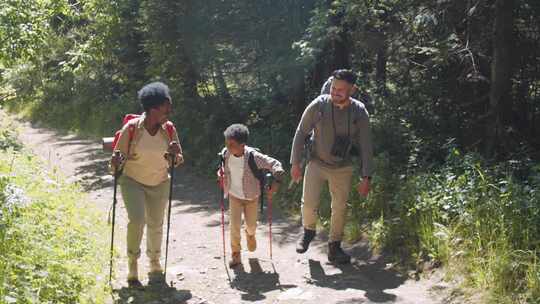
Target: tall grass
point(480, 221)
point(52, 239)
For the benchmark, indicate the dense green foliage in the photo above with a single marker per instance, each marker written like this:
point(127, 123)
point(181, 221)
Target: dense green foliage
point(453, 86)
point(479, 220)
point(51, 240)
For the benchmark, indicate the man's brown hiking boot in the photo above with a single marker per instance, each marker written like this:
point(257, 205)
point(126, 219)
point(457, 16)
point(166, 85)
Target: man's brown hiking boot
point(303, 243)
point(336, 254)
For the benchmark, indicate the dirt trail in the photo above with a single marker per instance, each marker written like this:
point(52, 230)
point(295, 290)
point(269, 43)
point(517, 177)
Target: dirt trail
point(196, 266)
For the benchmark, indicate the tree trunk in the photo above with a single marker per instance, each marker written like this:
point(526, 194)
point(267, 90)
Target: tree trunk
point(336, 53)
point(380, 73)
point(341, 50)
point(221, 84)
point(299, 98)
point(501, 72)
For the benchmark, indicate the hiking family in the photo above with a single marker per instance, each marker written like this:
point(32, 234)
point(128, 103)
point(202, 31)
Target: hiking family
point(333, 129)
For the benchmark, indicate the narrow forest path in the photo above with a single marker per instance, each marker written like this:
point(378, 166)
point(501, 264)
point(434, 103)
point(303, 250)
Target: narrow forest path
point(196, 266)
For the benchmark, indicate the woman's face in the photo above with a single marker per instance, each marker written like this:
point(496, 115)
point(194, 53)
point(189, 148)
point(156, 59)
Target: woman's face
point(163, 112)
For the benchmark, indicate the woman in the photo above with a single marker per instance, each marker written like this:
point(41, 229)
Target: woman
point(146, 146)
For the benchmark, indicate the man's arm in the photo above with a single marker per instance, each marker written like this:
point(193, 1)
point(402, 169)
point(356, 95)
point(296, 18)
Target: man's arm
point(306, 125)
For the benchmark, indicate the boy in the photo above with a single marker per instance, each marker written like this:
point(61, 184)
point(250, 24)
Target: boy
point(242, 187)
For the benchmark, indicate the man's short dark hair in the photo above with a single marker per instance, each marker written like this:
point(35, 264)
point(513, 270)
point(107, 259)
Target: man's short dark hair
point(346, 75)
point(238, 132)
point(153, 95)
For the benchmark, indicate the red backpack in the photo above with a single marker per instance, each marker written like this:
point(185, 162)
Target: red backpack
point(109, 143)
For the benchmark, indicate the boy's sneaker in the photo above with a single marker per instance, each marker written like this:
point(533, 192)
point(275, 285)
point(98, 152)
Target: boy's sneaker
point(235, 260)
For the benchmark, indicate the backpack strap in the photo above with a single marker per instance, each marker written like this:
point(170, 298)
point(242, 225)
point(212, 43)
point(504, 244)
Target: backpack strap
point(259, 174)
point(321, 109)
point(131, 134)
point(310, 135)
point(320, 112)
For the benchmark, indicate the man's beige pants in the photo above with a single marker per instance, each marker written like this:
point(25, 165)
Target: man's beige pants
point(250, 210)
point(144, 205)
point(339, 183)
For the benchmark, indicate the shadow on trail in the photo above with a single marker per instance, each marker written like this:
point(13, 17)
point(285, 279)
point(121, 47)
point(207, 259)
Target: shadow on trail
point(256, 283)
point(372, 278)
point(151, 294)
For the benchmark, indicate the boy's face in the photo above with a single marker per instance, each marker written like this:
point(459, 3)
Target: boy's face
point(234, 147)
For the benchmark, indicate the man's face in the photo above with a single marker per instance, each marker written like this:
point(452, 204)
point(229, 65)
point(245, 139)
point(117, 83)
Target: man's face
point(341, 91)
point(163, 111)
point(234, 146)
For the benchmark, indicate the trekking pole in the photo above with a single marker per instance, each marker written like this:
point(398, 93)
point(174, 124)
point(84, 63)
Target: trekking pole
point(269, 179)
point(263, 184)
point(222, 201)
point(115, 186)
point(173, 156)
point(262, 200)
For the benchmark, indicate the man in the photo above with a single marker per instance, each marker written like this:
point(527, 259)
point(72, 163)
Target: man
point(340, 125)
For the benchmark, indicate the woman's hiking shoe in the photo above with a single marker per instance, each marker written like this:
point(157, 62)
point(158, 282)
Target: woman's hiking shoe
point(155, 266)
point(133, 273)
point(135, 284)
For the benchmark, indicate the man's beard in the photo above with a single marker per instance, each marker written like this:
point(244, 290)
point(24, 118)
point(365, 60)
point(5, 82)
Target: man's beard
point(339, 100)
